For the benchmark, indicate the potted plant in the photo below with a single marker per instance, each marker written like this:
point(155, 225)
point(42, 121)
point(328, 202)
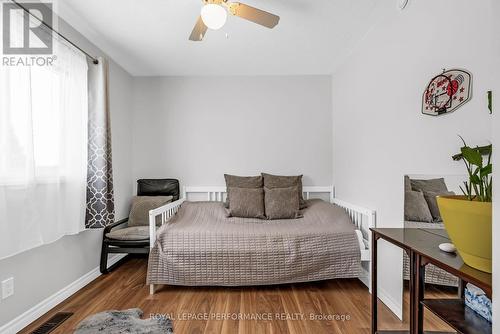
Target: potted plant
point(467, 218)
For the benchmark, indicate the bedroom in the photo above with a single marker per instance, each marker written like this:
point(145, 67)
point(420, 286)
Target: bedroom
point(333, 92)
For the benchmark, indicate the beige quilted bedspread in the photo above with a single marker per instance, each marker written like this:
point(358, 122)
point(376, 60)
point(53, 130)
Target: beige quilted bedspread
point(201, 246)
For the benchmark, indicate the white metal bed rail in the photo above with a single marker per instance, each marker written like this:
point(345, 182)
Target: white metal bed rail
point(219, 193)
point(166, 212)
point(363, 219)
point(216, 194)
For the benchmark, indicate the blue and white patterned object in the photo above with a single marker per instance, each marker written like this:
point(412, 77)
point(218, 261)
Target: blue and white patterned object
point(476, 299)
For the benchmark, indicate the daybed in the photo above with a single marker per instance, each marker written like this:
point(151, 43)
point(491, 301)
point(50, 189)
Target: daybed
point(198, 245)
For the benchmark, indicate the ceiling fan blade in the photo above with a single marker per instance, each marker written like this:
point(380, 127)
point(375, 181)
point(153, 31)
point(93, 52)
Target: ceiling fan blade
point(199, 31)
point(254, 14)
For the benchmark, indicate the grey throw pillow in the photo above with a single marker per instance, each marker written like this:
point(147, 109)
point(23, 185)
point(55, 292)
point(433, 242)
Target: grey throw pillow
point(241, 182)
point(430, 198)
point(141, 205)
point(282, 203)
point(416, 208)
point(280, 181)
point(246, 202)
point(407, 183)
point(432, 185)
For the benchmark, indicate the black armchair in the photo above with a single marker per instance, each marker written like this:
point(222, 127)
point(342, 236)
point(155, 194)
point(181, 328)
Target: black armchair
point(140, 244)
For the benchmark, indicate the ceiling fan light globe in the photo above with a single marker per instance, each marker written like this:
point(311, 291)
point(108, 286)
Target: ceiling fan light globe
point(214, 16)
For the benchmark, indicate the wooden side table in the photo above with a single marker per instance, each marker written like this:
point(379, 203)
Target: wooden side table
point(395, 237)
point(452, 311)
point(422, 248)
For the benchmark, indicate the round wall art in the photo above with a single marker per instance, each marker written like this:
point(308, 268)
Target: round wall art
point(447, 92)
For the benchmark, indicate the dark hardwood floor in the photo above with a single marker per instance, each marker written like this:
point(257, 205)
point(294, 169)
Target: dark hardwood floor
point(340, 306)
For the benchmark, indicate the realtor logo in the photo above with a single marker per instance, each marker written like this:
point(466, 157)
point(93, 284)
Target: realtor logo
point(24, 34)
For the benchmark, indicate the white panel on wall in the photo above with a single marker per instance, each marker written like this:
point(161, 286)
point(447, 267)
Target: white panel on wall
point(198, 128)
point(378, 129)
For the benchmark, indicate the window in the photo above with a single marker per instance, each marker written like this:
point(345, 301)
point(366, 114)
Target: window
point(46, 117)
point(42, 111)
point(43, 150)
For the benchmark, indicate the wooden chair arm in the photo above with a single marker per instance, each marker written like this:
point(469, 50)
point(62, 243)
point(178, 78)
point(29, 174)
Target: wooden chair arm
point(108, 228)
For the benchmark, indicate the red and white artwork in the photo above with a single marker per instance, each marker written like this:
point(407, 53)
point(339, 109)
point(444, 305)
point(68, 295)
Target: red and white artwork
point(446, 92)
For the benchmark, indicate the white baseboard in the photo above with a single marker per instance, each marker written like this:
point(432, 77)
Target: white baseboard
point(365, 278)
point(392, 304)
point(23, 320)
point(384, 297)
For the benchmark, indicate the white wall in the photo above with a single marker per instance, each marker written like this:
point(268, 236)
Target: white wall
point(379, 133)
point(44, 270)
point(198, 128)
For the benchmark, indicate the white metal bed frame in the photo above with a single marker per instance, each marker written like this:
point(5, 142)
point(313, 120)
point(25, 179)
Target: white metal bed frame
point(361, 217)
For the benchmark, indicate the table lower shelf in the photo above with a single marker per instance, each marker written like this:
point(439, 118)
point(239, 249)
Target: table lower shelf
point(458, 316)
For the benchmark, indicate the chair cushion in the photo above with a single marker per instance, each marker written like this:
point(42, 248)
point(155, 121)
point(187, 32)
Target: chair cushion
point(130, 233)
point(139, 214)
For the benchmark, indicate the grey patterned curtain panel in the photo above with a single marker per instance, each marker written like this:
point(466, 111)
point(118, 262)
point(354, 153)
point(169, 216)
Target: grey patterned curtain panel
point(100, 196)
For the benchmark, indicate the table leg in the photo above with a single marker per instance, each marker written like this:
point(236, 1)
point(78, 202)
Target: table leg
point(374, 282)
point(419, 294)
point(412, 257)
point(461, 288)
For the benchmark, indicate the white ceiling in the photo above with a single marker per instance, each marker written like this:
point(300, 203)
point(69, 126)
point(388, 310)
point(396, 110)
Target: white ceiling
point(150, 37)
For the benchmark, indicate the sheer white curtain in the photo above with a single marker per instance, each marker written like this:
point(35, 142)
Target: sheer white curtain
point(43, 151)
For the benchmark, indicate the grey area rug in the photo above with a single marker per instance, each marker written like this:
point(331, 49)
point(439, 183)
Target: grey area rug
point(127, 321)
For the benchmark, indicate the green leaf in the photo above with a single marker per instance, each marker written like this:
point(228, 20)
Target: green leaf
point(480, 183)
point(486, 170)
point(474, 179)
point(472, 156)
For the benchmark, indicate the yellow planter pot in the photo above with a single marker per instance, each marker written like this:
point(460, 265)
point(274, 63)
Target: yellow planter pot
point(468, 224)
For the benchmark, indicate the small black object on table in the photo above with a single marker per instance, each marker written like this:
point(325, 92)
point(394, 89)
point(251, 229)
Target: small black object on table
point(422, 247)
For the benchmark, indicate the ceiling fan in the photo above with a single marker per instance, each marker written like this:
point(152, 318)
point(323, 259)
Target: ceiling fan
point(214, 14)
